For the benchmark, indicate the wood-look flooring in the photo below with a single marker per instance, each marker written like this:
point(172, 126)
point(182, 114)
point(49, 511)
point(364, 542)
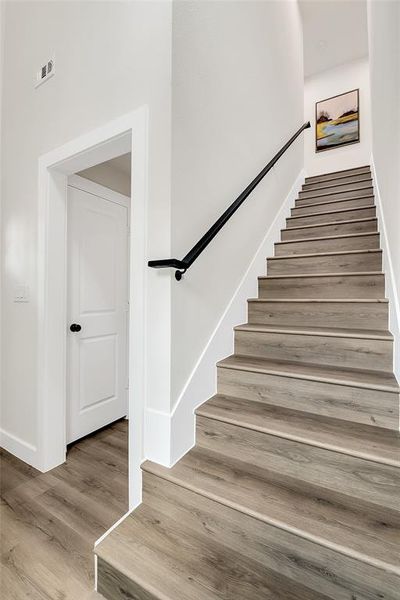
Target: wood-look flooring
point(50, 521)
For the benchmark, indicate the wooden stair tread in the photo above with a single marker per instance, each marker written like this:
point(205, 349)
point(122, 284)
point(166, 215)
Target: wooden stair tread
point(175, 561)
point(329, 212)
point(339, 178)
point(364, 441)
point(320, 331)
point(342, 274)
point(366, 178)
point(323, 300)
point(328, 237)
point(334, 253)
point(326, 223)
point(304, 193)
point(329, 201)
point(348, 526)
point(342, 173)
point(379, 380)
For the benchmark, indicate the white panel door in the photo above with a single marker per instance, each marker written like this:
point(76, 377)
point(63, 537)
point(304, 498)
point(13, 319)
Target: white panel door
point(97, 311)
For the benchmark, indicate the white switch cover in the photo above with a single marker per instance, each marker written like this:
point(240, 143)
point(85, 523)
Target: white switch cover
point(21, 293)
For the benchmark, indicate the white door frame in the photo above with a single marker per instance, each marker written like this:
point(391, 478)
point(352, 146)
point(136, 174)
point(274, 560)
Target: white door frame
point(125, 134)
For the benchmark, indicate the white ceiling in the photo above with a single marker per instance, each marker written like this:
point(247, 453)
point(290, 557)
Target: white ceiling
point(121, 163)
point(335, 32)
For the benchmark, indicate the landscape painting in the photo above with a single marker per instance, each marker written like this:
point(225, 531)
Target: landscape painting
point(337, 121)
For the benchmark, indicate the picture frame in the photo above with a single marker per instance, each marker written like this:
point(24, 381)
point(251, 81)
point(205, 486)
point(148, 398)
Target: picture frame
point(337, 121)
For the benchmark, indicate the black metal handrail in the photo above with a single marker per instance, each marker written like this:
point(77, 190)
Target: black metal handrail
point(182, 266)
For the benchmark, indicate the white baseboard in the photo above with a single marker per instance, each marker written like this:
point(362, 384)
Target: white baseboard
point(202, 384)
point(19, 448)
point(390, 281)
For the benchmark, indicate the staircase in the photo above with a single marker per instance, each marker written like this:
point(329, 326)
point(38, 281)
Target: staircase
point(292, 489)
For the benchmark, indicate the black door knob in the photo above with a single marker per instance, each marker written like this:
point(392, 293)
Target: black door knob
point(75, 327)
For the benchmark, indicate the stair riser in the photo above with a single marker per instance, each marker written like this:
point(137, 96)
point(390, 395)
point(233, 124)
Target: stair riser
point(327, 230)
point(306, 197)
point(362, 179)
point(360, 242)
point(328, 470)
point(329, 205)
point(338, 175)
point(334, 263)
point(359, 405)
point(114, 585)
point(305, 562)
point(333, 217)
point(358, 315)
point(349, 286)
point(355, 353)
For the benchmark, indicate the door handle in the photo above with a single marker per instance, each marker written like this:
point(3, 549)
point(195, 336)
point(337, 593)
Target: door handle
point(75, 327)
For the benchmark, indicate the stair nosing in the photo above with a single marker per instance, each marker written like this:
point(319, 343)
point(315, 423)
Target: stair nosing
point(334, 253)
point(257, 328)
point(331, 212)
point(326, 300)
point(323, 187)
point(334, 201)
point(308, 377)
point(360, 189)
point(329, 237)
point(296, 438)
point(328, 223)
point(302, 275)
point(168, 476)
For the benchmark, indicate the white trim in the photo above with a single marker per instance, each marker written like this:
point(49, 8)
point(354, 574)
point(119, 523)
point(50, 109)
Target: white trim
point(172, 435)
point(125, 134)
point(95, 572)
point(157, 433)
point(390, 281)
point(114, 526)
point(80, 183)
point(103, 537)
point(13, 444)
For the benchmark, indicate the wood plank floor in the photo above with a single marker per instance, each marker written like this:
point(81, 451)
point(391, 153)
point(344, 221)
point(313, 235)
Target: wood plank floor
point(50, 521)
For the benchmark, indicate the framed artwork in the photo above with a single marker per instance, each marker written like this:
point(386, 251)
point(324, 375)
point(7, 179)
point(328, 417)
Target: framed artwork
point(337, 121)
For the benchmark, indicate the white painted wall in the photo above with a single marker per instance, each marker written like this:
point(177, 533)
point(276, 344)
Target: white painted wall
point(331, 82)
point(384, 40)
point(237, 97)
point(111, 57)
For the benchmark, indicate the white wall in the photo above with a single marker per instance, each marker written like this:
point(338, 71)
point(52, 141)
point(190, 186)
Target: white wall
point(384, 40)
point(237, 96)
point(329, 83)
point(111, 57)
point(237, 93)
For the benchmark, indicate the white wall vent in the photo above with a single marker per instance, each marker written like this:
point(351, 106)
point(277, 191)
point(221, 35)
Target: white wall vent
point(46, 71)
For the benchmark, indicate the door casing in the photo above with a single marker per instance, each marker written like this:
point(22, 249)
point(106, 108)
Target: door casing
point(125, 134)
